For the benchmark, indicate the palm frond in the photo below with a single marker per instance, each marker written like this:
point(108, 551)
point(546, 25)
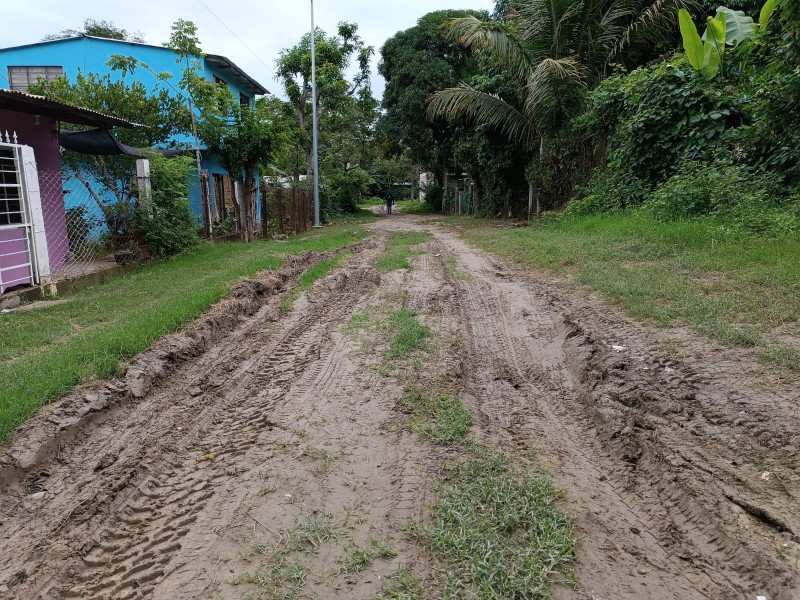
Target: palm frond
point(486, 109)
point(553, 90)
point(649, 20)
point(495, 37)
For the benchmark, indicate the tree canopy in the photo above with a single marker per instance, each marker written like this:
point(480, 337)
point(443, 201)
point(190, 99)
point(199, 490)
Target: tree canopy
point(95, 28)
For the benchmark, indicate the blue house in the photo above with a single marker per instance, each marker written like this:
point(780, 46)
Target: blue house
point(22, 66)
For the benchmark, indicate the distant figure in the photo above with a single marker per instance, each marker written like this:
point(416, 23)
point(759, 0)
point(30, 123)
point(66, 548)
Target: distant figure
point(389, 202)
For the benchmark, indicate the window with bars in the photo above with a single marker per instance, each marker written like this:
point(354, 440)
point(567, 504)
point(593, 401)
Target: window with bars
point(22, 78)
point(10, 190)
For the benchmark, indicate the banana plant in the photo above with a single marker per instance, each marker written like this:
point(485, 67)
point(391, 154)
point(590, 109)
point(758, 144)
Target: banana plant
point(729, 27)
point(704, 54)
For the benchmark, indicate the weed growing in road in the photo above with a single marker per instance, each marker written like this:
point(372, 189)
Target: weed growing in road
point(357, 322)
point(408, 334)
point(442, 419)
point(782, 355)
point(354, 563)
point(498, 529)
point(382, 549)
point(399, 249)
point(325, 457)
point(307, 279)
point(451, 264)
point(402, 586)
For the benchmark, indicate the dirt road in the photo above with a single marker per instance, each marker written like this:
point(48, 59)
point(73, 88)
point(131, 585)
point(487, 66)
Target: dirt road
point(259, 428)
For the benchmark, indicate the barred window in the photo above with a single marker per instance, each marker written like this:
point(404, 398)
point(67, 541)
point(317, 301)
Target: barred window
point(10, 189)
point(22, 78)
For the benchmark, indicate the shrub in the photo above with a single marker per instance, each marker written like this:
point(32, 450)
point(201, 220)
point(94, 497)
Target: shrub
point(166, 219)
point(742, 199)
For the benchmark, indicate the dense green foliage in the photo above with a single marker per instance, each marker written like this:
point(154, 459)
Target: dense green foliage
point(166, 220)
point(596, 110)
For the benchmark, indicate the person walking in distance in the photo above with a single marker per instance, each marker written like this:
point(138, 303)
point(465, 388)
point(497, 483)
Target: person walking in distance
point(389, 202)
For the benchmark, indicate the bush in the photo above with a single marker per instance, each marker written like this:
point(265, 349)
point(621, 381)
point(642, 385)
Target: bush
point(166, 219)
point(744, 200)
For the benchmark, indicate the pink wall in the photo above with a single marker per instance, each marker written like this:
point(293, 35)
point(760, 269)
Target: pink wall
point(44, 140)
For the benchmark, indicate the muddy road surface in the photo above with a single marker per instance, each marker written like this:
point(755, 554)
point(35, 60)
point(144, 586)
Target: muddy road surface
point(262, 427)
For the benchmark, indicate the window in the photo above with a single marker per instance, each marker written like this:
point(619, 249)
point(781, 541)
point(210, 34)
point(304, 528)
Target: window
point(220, 81)
point(10, 190)
point(244, 100)
point(21, 78)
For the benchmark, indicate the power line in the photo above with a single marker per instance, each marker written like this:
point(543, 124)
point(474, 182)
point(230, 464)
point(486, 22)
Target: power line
point(234, 34)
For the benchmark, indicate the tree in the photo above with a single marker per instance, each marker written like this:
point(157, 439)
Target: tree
point(416, 63)
point(160, 115)
point(103, 29)
point(335, 91)
point(553, 52)
point(243, 137)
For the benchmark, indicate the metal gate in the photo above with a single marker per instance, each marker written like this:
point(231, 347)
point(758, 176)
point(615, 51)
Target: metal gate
point(23, 247)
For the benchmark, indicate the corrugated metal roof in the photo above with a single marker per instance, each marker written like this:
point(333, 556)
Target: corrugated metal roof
point(228, 65)
point(46, 107)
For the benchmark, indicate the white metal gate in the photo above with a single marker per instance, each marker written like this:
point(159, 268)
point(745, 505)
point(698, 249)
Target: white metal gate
point(23, 247)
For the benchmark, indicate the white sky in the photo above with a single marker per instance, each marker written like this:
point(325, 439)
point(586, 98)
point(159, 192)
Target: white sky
point(265, 27)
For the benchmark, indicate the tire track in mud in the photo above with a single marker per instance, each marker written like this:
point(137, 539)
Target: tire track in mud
point(133, 515)
point(146, 498)
point(656, 522)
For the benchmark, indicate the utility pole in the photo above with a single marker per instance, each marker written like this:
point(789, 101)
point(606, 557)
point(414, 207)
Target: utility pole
point(314, 113)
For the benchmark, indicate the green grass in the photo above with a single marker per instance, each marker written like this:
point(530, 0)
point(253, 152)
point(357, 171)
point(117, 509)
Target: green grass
point(733, 289)
point(498, 530)
point(307, 279)
point(400, 248)
point(415, 207)
point(402, 586)
point(441, 419)
point(45, 352)
point(408, 334)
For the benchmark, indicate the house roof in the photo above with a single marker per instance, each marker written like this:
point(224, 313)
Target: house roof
point(229, 67)
point(39, 105)
point(221, 62)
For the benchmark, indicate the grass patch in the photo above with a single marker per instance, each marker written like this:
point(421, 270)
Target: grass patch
point(307, 279)
point(408, 334)
point(44, 353)
point(442, 419)
point(498, 531)
point(415, 207)
point(783, 356)
point(402, 586)
point(354, 563)
point(400, 248)
point(451, 264)
point(325, 458)
point(734, 289)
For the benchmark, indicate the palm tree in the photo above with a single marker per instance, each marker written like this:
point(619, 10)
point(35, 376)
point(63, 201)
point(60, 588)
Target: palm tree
point(554, 50)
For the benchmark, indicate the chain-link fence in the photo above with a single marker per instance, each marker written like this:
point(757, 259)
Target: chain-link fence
point(77, 232)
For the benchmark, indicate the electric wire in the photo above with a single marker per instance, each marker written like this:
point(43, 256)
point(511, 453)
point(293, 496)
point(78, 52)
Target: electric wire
point(234, 34)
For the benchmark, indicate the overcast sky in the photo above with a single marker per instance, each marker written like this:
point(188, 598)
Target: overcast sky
point(265, 27)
